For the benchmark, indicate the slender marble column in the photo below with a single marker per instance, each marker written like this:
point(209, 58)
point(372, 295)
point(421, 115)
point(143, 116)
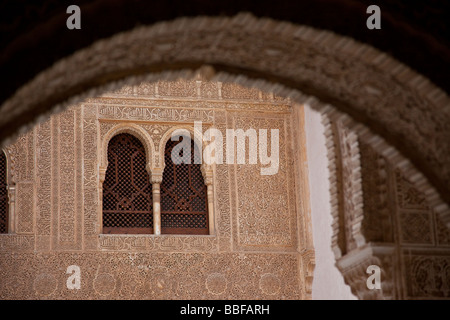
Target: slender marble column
point(208, 177)
point(156, 179)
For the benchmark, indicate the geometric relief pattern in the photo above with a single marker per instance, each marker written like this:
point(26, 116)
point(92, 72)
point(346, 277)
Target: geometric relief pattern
point(416, 227)
point(25, 195)
point(151, 276)
point(407, 195)
point(222, 192)
point(263, 215)
point(418, 223)
point(429, 276)
point(22, 157)
point(17, 243)
point(90, 179)
point(155, 114)
point(44, 179)
point(67, 188)
point(442, 232)
point(139, 243)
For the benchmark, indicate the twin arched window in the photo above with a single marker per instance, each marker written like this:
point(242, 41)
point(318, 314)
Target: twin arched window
point(127, 191)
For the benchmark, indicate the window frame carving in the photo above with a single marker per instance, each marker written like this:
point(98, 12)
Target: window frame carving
point(146, 141)
point(142, 207)
point(155, 172)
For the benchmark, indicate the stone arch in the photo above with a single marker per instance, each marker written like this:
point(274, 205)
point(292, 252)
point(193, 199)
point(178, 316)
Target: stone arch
point(297, 61)
point(390, 106)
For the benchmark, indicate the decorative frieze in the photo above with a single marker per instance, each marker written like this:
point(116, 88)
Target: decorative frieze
point(141, 275)
point(154, 114)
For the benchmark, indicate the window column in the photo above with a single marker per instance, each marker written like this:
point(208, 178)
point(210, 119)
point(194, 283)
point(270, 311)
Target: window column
point(155, 180)
point(208, 177)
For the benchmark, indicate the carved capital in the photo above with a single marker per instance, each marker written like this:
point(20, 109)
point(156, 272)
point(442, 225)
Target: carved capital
point(12, 193)
point(354, 266)
point(156, 175)
point(207, 173)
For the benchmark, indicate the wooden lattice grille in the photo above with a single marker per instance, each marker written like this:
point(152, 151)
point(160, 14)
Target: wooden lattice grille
point(127, 191)
point(3, 194)
point(184, 208)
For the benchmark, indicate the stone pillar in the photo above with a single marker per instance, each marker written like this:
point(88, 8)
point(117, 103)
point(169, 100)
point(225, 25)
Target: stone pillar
point(155, 180)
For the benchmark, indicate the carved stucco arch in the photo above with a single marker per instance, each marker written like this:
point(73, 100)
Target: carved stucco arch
point(394, 101)
point(194, 134)
point(134, 130)
point(146, 140)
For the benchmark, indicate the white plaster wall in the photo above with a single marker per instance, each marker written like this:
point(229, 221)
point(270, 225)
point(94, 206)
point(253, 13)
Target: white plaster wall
point(328, 282)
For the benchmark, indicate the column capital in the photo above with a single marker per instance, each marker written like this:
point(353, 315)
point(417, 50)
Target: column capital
point(207, 173)
point(156, 175)
point(12, 193)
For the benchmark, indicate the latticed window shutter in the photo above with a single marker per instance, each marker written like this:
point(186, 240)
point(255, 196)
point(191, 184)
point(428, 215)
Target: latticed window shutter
point(127, 191)
point(3, 194)
point(184, 207)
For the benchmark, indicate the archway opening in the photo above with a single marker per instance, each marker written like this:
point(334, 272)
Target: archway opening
point(326, 91)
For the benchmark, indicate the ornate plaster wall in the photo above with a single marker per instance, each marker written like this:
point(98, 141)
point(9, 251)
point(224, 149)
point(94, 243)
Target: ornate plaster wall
point(256, 252)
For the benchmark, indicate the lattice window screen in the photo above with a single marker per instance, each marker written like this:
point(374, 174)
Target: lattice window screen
point(3, 194)
point(184, 207)
point(127, 191)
